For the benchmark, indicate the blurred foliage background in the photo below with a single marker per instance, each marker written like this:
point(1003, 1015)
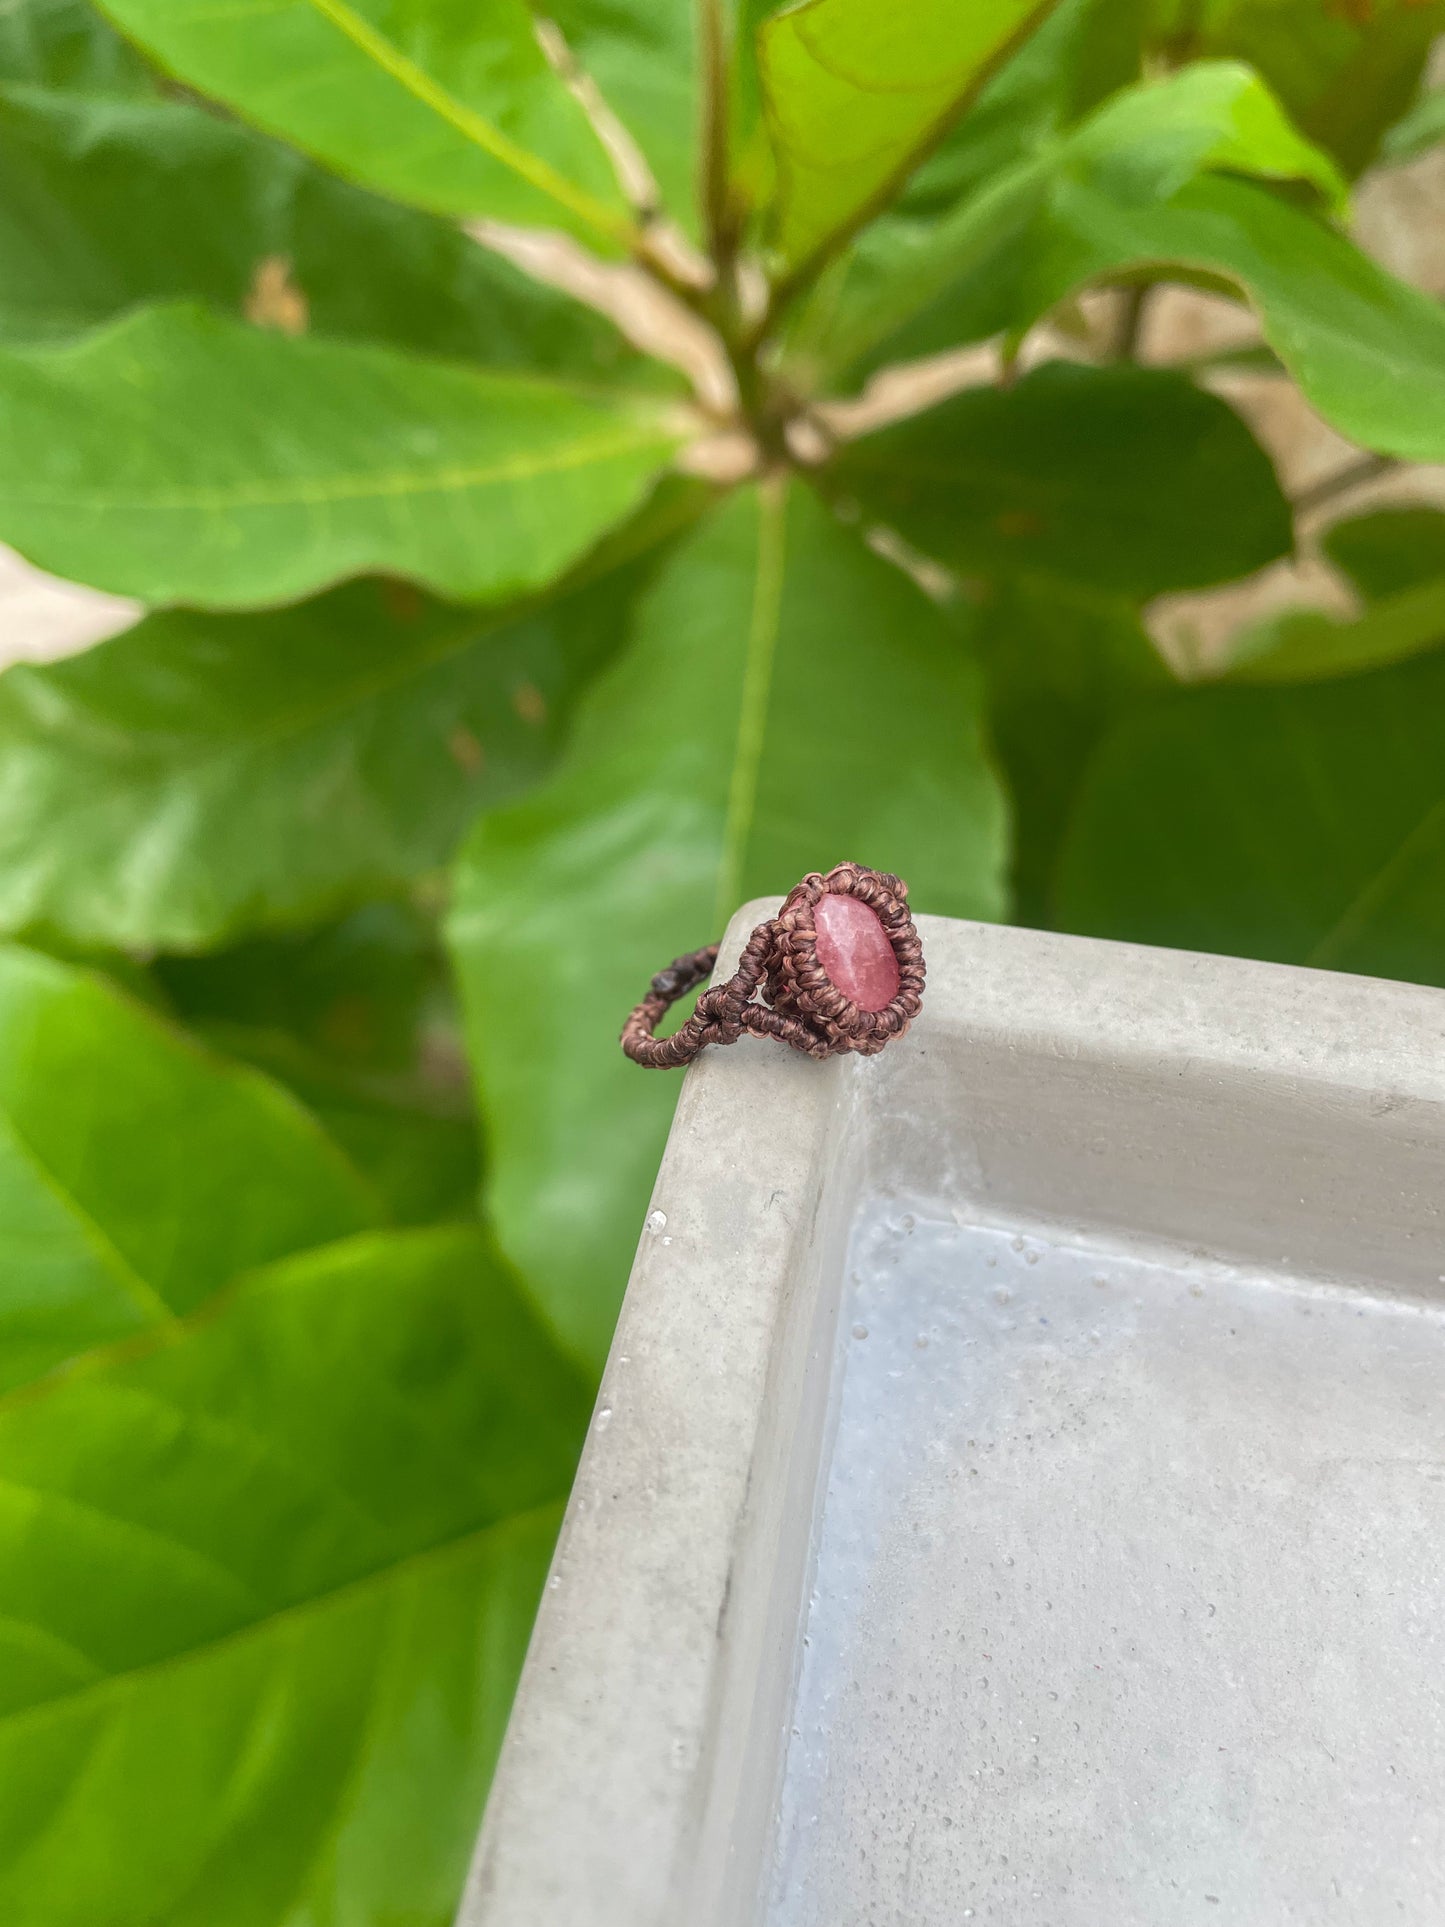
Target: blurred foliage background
point(556, 478)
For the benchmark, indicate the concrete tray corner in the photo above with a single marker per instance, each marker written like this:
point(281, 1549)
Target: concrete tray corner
point(1017, 1490)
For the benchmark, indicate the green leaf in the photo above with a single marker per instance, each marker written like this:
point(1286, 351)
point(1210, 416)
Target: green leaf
point(1218, 117)
point(416, 1145)
point(1306, 645)
point(358, 1019)
point(413, 1137)
point(179, 458)
point(1305, 825)
point(1125, 193)
point(1367, 351)
point(354, 992)
point(1020, 238)
point(788, 701)
point(1061, 668)
point(1003, 255)
point(65, 43)
point(420, 1152)
point(201, 775)
point(110, 204)
point(1343, 73)
point(269, 1577)
point(1419, 130)
point(451, 109)
point(1081, 53)
point(856, 93)
point(1125, 479)
point(107, 1230)
point(1396, 558)
point(1389, 549)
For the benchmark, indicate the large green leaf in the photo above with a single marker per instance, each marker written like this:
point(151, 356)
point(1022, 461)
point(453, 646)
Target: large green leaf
point(1125, 479)
point(1390, 549)
point(180, 458)
point(109, 204)
point(355, 991)
point(201, 774)
point(1136, 188)
point(1020, 237)
point(1301, 824)
point(1061, 667)
point(268, 1578)
point(65, 43)
point(1080, 53)
point(1343, 72)
point(856, 93)
point(413, 1138)
point(450, 108)
point(1396, 558)
point(358, 1019)
point(111, 1227)
point(1306, 645)
point(788, 701)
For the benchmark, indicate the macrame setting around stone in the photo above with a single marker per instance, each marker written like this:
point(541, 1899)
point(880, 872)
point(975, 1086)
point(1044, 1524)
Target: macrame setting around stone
point(839, 968)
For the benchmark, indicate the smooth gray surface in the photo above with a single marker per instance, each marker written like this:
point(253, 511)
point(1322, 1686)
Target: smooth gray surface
point(1129, 1601)
point(1268, 1447)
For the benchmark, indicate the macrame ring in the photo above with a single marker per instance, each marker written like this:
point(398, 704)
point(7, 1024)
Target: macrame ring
point(780, 988)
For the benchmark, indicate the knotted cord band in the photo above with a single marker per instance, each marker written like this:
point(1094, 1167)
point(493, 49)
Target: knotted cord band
point(780, 988)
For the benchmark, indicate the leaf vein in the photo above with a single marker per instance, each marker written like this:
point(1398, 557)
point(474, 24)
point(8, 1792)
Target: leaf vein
point(324, 492)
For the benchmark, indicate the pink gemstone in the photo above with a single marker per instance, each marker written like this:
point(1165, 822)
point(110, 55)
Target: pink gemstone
point(853, 948)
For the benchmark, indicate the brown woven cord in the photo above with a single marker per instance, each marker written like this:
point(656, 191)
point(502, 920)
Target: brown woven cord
point(803, 1008)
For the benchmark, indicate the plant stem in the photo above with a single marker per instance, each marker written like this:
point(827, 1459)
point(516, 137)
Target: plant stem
point(1130, 324)
point(1365, 469)
point(719, 219)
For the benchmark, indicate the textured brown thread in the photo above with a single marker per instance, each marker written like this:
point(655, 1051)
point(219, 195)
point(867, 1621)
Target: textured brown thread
point(804, 1008)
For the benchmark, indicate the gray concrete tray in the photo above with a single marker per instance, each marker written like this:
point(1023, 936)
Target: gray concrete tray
point(1017, 1492)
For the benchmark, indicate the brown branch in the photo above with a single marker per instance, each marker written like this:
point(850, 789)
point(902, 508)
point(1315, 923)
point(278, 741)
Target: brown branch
point(1129, 326)
point(1364, 469)
point(719, 219)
